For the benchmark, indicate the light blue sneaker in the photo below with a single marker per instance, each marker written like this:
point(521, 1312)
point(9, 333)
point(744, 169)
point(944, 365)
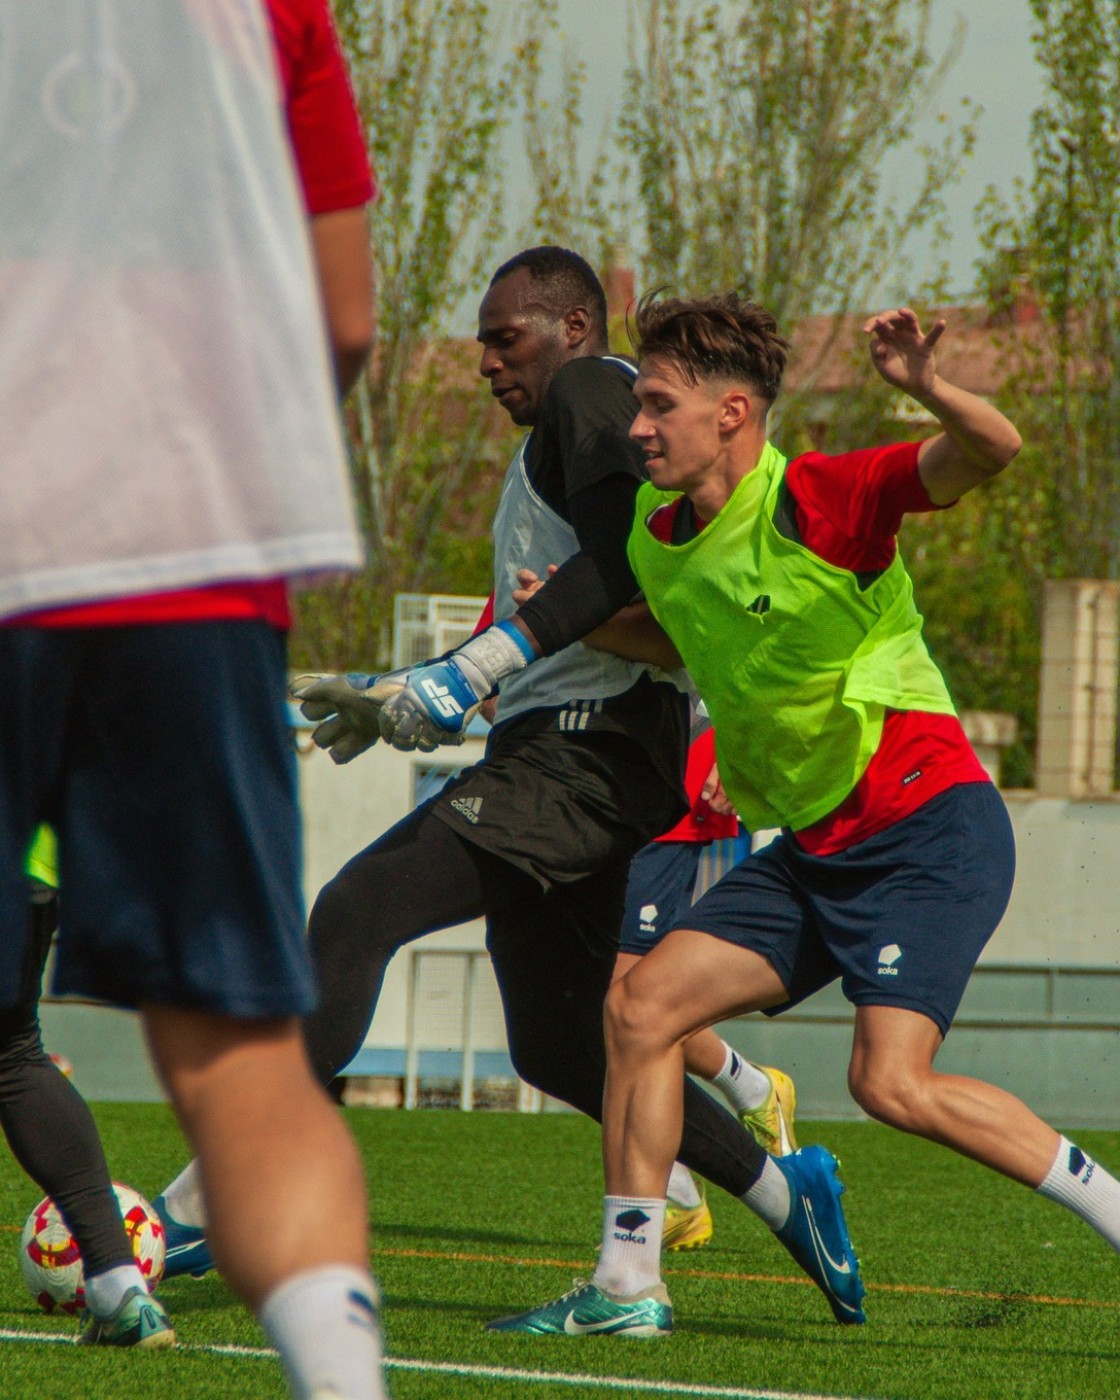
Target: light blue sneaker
point(588, 1311)
point(139, 1321)
point(187, 1250)
point(816, 1233)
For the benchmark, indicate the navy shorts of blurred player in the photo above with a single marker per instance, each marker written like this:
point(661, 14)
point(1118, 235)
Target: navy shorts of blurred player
point(163, 758)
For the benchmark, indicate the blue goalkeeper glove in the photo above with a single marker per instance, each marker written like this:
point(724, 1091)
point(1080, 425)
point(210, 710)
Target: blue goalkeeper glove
point(347, 707)
point(438, 699)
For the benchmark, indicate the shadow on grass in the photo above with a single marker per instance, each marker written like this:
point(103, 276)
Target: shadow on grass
point(384, 1232)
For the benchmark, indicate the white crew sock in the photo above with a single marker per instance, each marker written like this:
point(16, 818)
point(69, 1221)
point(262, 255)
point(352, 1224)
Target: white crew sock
point(683, 1190)
point(630, 1259)
point(742, 1084)
point(324, 1325)
point(769, 1197)
point(105, 1291)
point(1076, 1181)
point(183, 1198)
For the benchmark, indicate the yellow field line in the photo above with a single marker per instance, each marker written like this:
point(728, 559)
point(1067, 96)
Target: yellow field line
point(721, 1276)
point(925, 1290)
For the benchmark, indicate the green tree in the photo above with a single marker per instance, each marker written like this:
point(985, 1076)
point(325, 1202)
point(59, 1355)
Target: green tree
point(750, 153)
point(1052, 278)
point(1060, 248)
point(758, 134)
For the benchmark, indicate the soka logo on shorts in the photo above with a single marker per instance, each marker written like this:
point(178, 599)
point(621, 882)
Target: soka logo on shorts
point(647, 918)
point(889, 958)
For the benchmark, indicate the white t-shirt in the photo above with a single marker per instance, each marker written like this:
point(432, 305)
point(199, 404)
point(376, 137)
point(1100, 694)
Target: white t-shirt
point(167, 410)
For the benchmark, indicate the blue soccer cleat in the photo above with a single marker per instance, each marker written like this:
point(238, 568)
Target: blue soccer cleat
point(587, 1311)
point(187, 1250)
point(816, 1233)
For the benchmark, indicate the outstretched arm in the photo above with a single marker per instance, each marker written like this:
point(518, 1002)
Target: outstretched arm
point(976, 441)
point(632, 633)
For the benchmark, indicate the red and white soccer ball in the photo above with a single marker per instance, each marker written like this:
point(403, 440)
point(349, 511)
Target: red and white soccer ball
point(52, 1266)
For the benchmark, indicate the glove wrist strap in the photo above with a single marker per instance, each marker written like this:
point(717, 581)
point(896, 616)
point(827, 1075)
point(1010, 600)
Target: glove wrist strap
point(497, 652)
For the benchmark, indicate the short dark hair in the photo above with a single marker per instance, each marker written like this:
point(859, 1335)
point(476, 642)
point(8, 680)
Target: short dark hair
point(724, 337)
point(566, 281)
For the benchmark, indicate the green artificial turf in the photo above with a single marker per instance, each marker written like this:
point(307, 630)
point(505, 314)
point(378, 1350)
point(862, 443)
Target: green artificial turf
point(476, 1215)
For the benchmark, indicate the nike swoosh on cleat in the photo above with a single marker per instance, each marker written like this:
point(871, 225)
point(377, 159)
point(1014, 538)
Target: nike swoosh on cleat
point(580, 1329)
point(818, 1241)
point(177, 1249)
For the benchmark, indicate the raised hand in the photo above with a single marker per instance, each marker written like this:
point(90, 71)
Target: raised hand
point(901, 353)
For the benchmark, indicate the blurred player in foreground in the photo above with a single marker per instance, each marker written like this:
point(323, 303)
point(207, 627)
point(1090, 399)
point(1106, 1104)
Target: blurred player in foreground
point(171, 451)
point(896, 858)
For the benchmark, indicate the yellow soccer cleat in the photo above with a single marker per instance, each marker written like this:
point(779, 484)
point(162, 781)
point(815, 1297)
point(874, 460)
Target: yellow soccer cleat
point(771, 1124)
point(686, 1227)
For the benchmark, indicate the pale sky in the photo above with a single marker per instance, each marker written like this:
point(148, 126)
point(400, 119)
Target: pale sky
point(996, 68)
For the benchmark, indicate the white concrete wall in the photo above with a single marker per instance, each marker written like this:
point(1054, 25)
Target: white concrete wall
point(1065, 908)
point(347, 807)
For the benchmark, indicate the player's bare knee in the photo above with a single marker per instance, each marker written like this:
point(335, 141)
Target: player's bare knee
point(632, 1020)
point(889, 1094)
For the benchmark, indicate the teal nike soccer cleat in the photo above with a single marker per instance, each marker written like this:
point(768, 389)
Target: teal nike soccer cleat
point(587, 1311)
point(187, 1250)
point(816, 1233)
point(139, 1321)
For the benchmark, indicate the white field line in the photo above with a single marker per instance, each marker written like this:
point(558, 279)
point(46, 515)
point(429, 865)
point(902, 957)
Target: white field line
point(496, 1373)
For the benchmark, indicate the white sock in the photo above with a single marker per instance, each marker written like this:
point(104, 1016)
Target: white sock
point(742, 1084)
point(683, 1190)
point(324, 1325)
point(1076, 1181)
point(105, 1291)
point(183, 1198)
point(630, 1259)
point(769, 1197)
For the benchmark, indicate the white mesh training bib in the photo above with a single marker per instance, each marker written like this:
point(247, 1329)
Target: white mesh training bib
point(167, 413)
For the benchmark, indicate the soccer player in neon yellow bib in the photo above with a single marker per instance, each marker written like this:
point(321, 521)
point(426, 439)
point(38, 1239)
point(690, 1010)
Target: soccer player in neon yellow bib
point(782, 588)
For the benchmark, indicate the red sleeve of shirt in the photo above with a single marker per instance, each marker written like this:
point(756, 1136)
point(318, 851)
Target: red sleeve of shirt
point(485, 617)
point(323, 121)
point(700, 823)
point(265, 601)
point(850, 506)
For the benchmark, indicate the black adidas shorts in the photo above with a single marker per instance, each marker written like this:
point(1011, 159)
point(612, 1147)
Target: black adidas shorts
point(557, 805)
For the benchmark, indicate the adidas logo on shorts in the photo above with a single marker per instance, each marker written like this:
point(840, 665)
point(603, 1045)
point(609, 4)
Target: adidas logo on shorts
point(468, 807)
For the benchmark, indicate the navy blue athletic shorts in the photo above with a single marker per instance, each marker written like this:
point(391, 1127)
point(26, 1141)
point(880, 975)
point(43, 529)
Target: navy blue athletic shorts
point(163, 758)
point(659, 892)
point(900, 918)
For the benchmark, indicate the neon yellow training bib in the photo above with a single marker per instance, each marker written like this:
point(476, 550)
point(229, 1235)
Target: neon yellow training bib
point(42, 859)
point(796, 663)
